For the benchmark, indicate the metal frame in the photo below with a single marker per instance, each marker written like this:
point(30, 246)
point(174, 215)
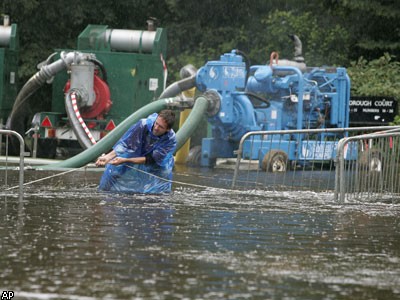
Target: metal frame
point(340, 176)
point(21, 158)
point(304, 174)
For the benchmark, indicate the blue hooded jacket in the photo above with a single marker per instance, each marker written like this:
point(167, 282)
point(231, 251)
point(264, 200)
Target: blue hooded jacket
point(151, 178)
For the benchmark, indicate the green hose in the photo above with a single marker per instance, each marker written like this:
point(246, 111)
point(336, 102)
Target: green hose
point(106, 143)
point(193, 120)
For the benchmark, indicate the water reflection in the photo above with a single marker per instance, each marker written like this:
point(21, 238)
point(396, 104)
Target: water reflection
point(67, 241)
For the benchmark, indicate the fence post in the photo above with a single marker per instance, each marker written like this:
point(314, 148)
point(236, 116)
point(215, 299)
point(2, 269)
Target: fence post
point(21, 164)
point(21, 159)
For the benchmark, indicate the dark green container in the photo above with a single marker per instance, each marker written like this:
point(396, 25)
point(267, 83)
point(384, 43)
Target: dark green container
point(135, 70)
point(8, 73)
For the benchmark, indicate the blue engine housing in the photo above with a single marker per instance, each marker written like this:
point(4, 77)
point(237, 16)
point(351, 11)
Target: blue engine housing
point(228, 77)
point(290, 99)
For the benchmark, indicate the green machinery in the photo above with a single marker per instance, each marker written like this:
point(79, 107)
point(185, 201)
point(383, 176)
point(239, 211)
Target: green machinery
point(111, 74)
point(8, 67)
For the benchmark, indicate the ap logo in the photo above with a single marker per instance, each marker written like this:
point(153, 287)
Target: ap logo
point(7, 295)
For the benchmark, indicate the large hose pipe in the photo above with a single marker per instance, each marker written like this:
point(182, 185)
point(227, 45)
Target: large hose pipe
point(107, 142)
point(200, 107)
point(183, 153)
point(179, 86)
point(79, 127)
point(47, 72)
point(18, 113)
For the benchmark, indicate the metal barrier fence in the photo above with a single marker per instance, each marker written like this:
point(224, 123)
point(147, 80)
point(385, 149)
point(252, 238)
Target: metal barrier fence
point(375, 174)
point(294, 159)
point(7, 133)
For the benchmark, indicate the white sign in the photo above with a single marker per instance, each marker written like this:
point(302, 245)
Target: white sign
point(318, 150)
point(153, 84)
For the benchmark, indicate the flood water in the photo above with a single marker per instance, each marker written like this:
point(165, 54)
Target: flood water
point(65, 240)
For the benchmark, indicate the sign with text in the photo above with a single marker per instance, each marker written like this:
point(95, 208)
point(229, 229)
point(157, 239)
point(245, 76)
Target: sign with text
point(372, 111)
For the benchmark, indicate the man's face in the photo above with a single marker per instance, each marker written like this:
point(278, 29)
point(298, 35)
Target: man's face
point(160, 127)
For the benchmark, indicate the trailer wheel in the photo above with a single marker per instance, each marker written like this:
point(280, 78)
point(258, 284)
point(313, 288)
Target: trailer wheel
point(47, 148)
point(371, 160)
point(194, 156)
point(275, 161)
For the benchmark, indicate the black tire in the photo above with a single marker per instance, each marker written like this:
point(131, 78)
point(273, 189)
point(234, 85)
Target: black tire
point(47, 148)
point(275, 161)
point(371, 160)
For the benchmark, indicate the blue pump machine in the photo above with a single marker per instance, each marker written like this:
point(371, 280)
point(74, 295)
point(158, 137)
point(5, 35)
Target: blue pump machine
point(289, 96)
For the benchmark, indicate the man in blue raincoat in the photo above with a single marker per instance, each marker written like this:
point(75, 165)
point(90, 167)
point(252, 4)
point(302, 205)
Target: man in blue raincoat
point(142, 160)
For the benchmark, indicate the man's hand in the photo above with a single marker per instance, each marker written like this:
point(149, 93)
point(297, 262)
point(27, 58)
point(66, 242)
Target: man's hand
point(117, 161)
point(101, 161)
point(104, 159)
point(112, 159)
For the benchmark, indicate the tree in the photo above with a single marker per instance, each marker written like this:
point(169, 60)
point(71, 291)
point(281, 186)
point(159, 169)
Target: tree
point(374, 26)
point(332, 32)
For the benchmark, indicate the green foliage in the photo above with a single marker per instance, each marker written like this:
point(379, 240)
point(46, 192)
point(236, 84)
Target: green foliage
point(321, 45)
point(332, 32)
point(258, 37)
point(375, 27)
point(204, 51)
point(377, 77)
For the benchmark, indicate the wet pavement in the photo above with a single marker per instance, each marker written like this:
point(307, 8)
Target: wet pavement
point(65, 240)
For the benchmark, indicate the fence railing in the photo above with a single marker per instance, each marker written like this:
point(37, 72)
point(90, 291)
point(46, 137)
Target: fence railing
point(7, 133)
point(294, 159)
point(376, 173)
